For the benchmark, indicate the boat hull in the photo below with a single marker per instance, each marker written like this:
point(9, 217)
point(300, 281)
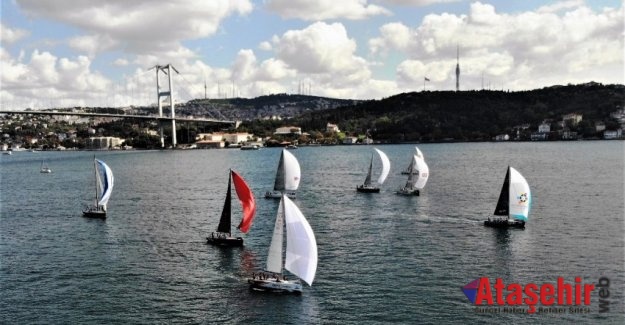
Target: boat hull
point(407, 192)
point(97, 214)
point(278, 195)
point(224, 241)
point(504, 223)
point(367, 189)
point(276, 286)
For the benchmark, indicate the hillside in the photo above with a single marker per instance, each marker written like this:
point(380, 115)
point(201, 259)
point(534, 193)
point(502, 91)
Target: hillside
point(472, 115)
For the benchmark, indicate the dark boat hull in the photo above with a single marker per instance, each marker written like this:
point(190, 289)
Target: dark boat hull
point(363, 189)
point(225, 241)
point(497, 223)
point(94, 214)
point(408, 192)
point(276, 286)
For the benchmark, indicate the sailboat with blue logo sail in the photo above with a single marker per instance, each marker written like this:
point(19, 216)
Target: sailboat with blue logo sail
point(104, 187)
point(514, 202)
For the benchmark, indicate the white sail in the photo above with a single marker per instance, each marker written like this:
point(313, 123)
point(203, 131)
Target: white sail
point(274, 260)
point(423, 172)
point(520, 197)
point(301, 246)
point(292, 173)
point(105, 182)
point(419, 154)
point(386, 166)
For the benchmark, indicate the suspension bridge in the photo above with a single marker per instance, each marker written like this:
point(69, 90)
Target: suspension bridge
point(167, 93)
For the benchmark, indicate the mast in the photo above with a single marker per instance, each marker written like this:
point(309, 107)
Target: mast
point(95, 171)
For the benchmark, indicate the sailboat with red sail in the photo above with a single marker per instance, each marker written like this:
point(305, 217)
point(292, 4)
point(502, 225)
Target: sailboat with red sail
point(223, 235)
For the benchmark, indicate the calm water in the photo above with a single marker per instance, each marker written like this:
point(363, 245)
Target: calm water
point(382, 258)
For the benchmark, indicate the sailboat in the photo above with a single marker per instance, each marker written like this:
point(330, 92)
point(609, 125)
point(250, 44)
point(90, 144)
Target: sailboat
point(223, 235)
point(44, 168)
point(514, 202)
point(410, 168)
point(103, 188)
point(287, 177)
point(301, 253)
point(386, 167)
point(417, 177)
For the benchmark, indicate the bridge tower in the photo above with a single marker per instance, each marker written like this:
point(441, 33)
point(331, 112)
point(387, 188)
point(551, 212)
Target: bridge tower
point(166, 69)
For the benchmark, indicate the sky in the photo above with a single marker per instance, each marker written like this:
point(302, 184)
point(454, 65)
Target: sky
point(68, 53)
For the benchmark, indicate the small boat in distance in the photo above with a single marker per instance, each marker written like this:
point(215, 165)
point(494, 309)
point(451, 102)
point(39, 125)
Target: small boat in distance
point(250, 147)
point(386, 167)
point(103, 189)
point(44, 168)
point(287, 177)
point(301, 253)
point(223, 235)
point(417, 177)
point(514, 202)
point(410, 168)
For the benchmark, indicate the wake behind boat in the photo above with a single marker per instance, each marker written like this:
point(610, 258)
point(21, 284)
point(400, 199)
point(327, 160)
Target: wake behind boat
point(514, 202)
point(301, 253)
point(367, 187)
point(223, 235)
point(103, 189)
point(287, 177)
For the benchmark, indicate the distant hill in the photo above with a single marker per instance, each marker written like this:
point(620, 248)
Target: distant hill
point(278, 105)
point(472, 115)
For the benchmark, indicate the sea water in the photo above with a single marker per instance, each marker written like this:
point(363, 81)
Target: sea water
point(383, 258)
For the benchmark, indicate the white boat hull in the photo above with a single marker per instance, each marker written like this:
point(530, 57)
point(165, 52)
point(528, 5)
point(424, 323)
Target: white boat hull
point(276, 286)
point(278, 195)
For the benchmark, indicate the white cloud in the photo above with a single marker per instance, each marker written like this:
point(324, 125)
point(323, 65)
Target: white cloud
point(10, 35)
point(92, 44)
point(526, 49)
point(418, 2)
point(319, 48)
point(120, 62)
point(265, 46)
point(46, 79)
point(139, 26)
point(325, 9)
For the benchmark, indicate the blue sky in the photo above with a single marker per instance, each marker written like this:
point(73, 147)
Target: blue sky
point(65, 53)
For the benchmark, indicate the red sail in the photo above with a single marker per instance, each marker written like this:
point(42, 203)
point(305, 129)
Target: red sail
point(247, 202)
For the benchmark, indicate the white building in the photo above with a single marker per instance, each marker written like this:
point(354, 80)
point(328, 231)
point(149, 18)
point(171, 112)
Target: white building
point(104, 142)
point(610, 135)
point(573, 119)
point(544, 127)
point(350, 140)
point(285, 130)
point(332, 128)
